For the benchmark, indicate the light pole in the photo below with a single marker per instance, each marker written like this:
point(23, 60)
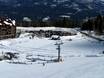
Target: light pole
point(59, 43)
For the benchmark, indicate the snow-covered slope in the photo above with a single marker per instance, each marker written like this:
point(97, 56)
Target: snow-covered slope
point(81, 58)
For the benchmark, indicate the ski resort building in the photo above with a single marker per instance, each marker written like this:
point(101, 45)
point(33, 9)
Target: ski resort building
point(7, 28)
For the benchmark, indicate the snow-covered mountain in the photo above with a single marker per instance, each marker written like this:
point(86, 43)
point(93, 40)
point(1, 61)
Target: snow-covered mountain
point(37, 9)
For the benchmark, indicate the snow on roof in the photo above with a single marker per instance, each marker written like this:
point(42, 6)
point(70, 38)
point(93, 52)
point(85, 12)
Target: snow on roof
point(46, 19)
point(27, 19)
point(14, 22)
point(7, 21)
point(0, 23)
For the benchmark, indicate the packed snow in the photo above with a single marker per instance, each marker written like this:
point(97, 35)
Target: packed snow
point(82, 57)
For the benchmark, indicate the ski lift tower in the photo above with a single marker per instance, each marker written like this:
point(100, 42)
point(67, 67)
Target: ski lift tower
point(58, 44)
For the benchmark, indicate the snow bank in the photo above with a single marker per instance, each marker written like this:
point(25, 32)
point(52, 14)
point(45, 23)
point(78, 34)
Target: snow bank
point(46, 28)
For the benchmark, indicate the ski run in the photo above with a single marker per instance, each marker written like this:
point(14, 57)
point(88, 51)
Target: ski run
point(81, 57)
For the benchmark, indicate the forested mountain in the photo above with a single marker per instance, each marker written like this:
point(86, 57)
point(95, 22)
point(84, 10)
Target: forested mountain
point(37, 9)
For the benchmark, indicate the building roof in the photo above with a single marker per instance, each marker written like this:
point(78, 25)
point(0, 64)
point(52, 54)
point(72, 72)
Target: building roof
point(7, 21)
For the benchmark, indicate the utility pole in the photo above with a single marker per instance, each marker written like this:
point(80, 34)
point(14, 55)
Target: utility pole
point(58, 43)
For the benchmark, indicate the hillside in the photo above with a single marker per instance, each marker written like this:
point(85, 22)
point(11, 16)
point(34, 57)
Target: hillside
point(82, 57)
point(38, 9)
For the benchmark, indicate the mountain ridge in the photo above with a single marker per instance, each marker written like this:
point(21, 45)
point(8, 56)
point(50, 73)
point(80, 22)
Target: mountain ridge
point(38, 9)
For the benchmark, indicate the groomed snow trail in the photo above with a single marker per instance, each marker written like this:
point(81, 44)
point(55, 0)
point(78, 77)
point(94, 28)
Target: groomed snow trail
point(82, 58)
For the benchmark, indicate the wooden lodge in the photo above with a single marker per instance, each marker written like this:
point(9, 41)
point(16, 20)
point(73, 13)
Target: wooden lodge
point(7, 28)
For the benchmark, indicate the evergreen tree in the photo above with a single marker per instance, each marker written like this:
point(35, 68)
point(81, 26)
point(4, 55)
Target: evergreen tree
point(87, 25)
point(98, 28)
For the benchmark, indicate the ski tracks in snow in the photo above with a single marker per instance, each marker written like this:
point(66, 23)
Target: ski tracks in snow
point(75, 69)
